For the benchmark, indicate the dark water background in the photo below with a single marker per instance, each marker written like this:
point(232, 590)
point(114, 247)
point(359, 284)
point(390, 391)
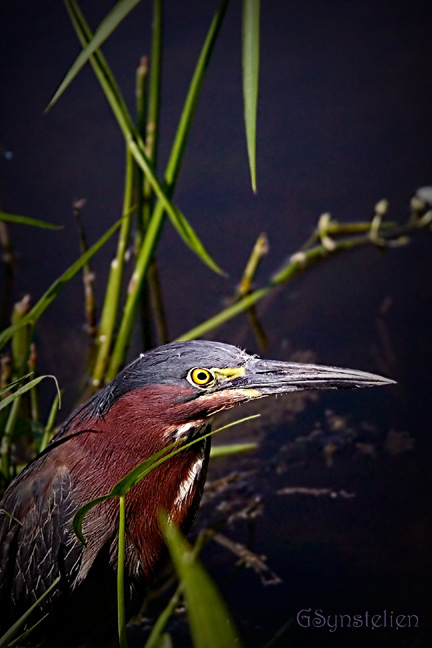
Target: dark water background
point(344, 120)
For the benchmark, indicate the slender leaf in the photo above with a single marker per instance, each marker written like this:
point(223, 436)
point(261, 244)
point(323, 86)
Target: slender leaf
point(4, 512)
point(26, 220)
point(105, 29)
point(191, 102)
point(251, 47)
point(25, 388)
point(209, 619)
point(133, 138)
point(100, 65)
point(38, 309)
point(183, 227)
point(157, 637)
point(142, 470)
point(13, 384)
point(121, 608)
point(172, 170)
point(20, 641)
point(232, 449)
point(50, 423)
point(13, 630)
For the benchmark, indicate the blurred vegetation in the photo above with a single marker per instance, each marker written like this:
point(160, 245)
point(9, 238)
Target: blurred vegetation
point(133, 297)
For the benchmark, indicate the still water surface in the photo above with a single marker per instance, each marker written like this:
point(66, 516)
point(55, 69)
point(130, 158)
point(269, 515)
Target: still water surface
point(341, 483)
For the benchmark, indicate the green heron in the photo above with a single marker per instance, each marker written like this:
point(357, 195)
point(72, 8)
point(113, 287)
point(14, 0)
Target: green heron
point(169, 393)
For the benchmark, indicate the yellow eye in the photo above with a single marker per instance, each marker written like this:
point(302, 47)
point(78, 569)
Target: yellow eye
point(201, 377)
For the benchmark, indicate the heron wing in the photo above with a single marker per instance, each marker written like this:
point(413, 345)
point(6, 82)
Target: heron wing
point(36, 539)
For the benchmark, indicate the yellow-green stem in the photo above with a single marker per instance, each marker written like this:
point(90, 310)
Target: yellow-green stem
point(171, 174)
point(50, 423)
point(121, 612)
point(115, 282)
point(7, 437)
point(303, 260)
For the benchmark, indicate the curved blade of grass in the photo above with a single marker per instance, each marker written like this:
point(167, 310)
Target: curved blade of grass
point(13, 630)
point(134, 140)
point(13, 384)
point(38, 309)
point(27, 220)
point(105, 29)
point(251, 47)
point(140, 471)
point(209, 619)
point(25, 388)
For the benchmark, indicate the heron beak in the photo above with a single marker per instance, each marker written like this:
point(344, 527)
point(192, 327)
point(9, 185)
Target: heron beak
point(273, 377)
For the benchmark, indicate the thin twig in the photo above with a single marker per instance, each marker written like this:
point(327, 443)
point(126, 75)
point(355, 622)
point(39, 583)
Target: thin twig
point(305, 258)
point(249, 559)
point(88, 276)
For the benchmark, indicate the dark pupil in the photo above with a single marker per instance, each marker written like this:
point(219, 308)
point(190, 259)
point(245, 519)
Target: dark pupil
point(202, 376)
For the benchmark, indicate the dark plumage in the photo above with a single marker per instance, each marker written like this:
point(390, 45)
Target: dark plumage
point(169, 393)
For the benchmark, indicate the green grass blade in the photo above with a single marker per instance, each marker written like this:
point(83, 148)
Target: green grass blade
point(209, 619)
point(140, 471)
point(27, 220)
point(251, 48)
point(191, 102)
point(173, 168)
point(99, 65)
point(38, 309)
point(134, 476)
point(232, 449)
point(226, 314)
point(19, 641)
point(107, 26)
point(121, 610)
point(50, 423)
point(13, 630)
point(13, 384)
point(25, 388)
point(82, 512)
point(132, 137)
point(156, 638)
point(178, 220)
point(296, 264)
